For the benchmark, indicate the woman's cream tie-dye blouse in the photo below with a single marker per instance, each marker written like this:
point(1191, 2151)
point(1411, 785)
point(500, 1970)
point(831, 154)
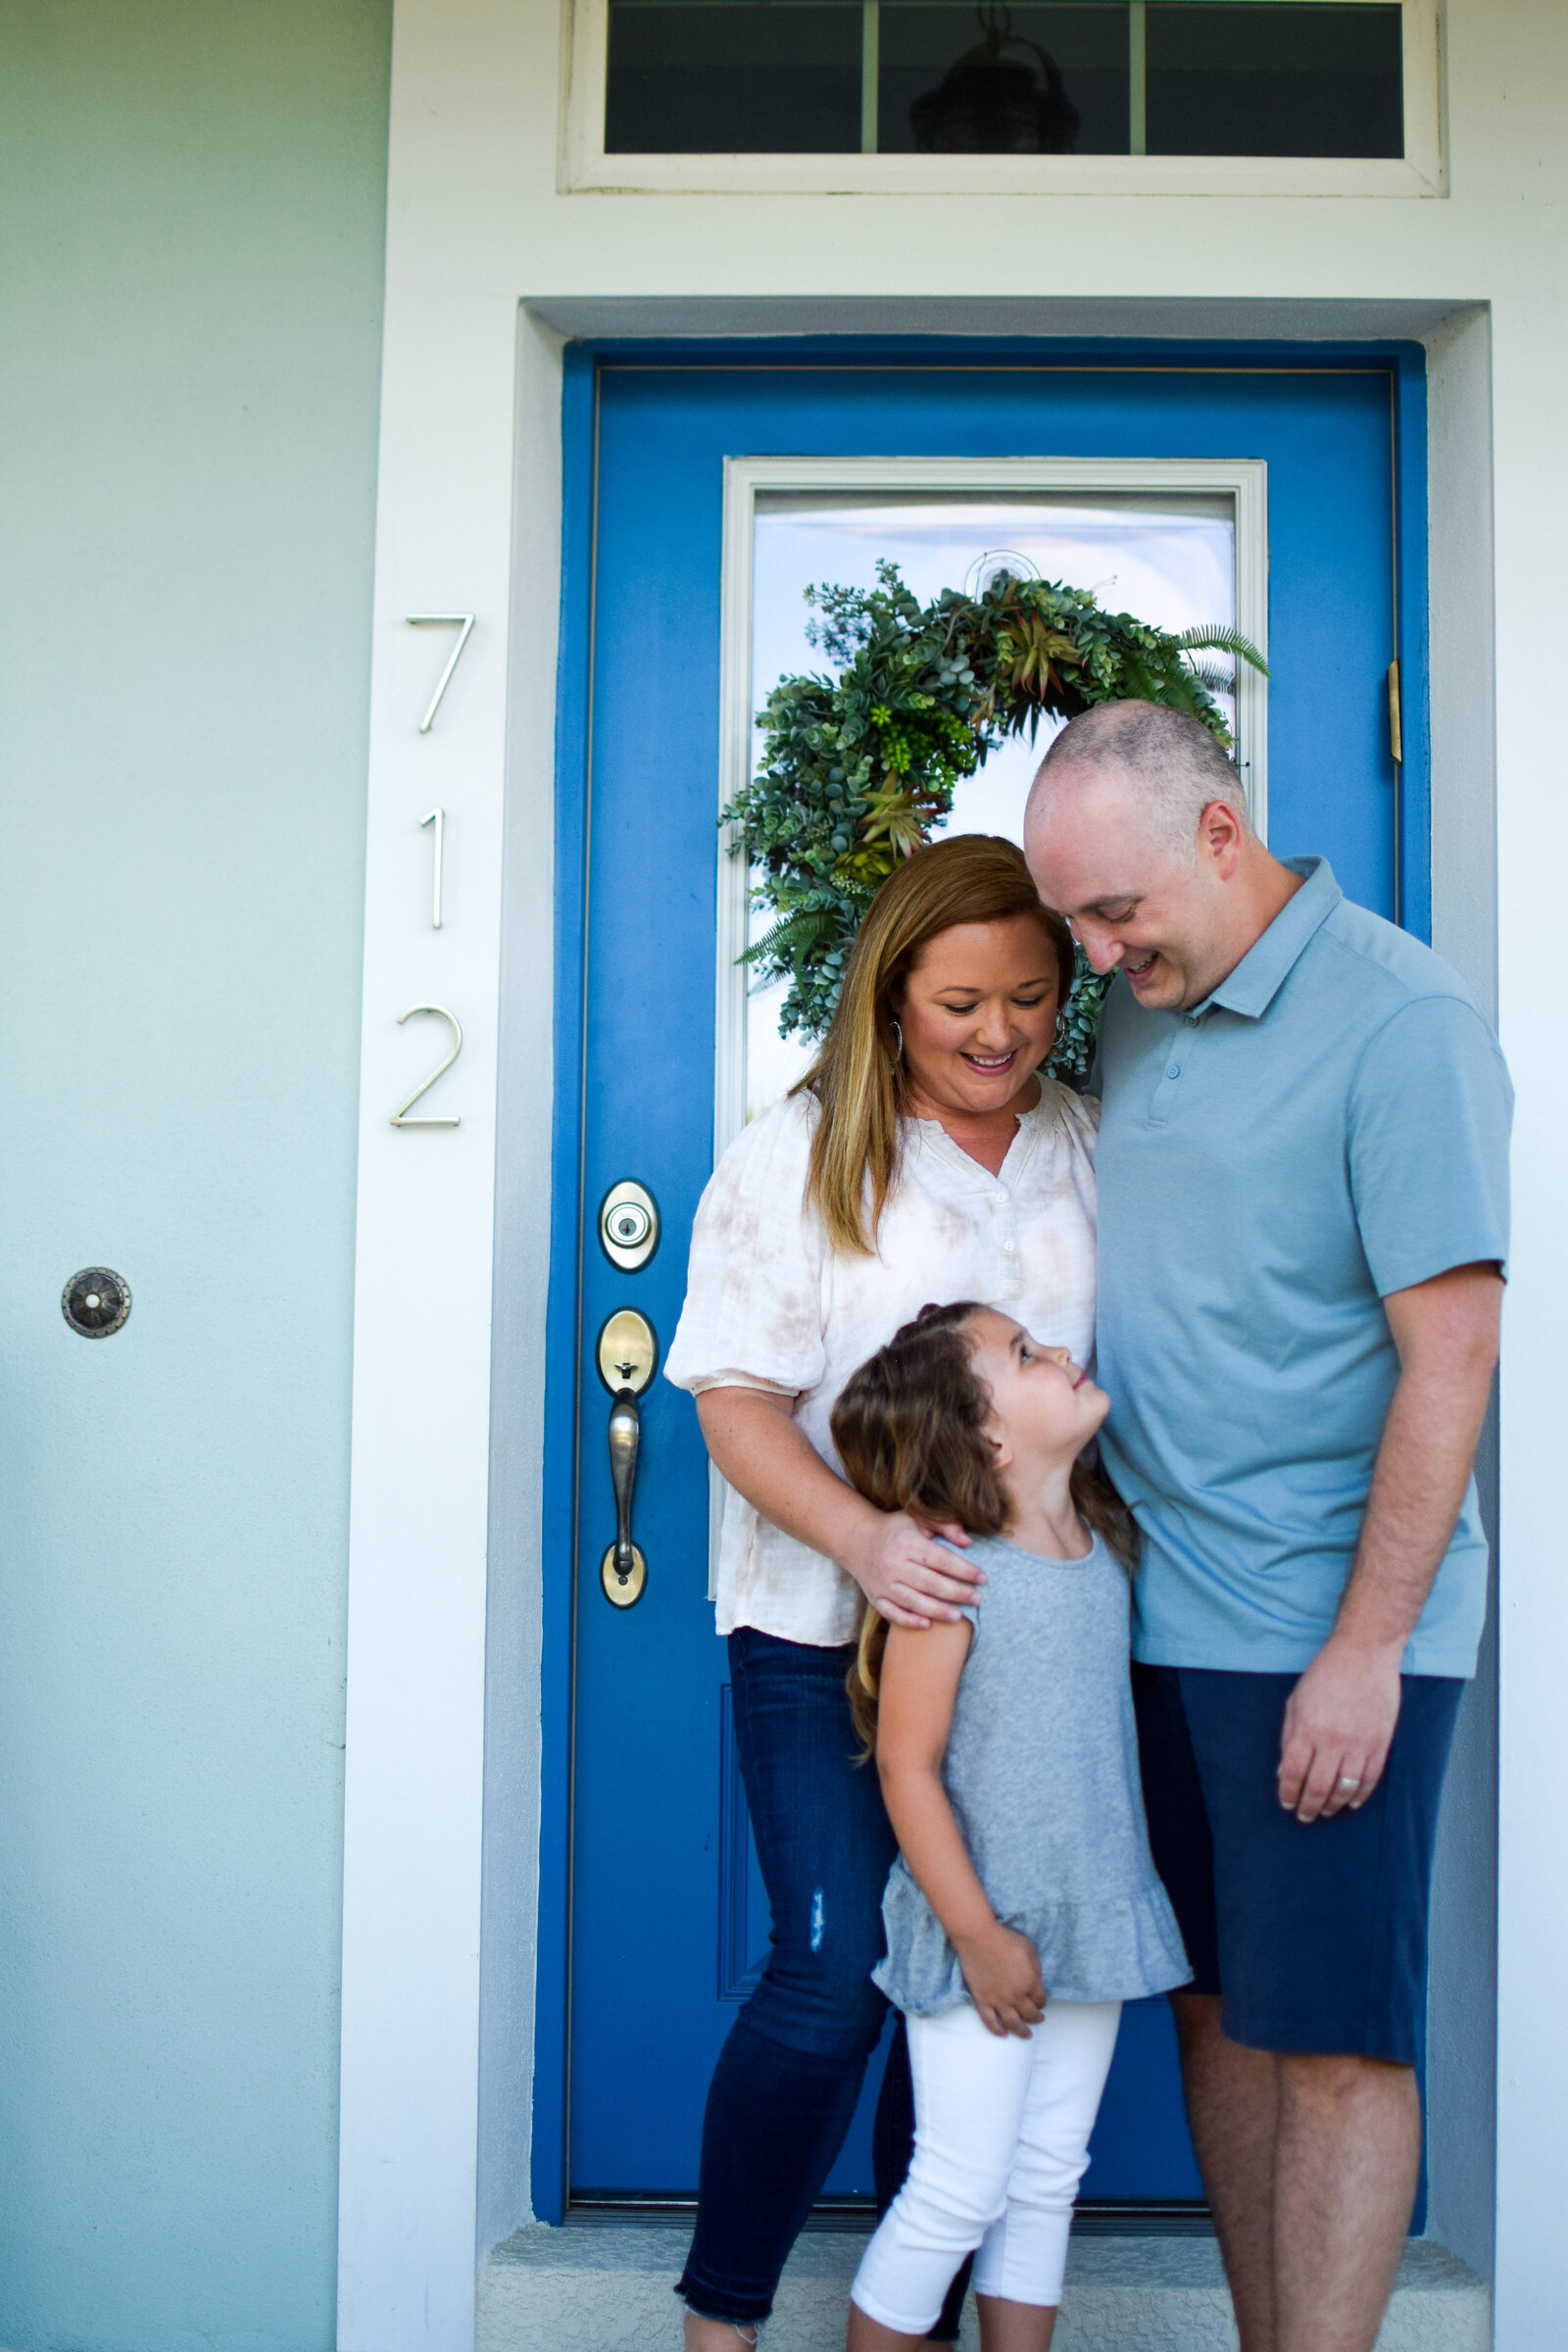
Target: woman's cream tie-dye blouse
point(770, 1306)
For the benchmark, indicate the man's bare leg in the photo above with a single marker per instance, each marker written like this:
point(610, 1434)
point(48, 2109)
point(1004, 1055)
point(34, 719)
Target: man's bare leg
point(1232, 2112)
point(1311, 2164)
point(1345, 2166)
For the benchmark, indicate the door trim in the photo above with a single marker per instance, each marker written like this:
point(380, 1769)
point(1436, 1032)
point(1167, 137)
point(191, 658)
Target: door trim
point(1404, 364)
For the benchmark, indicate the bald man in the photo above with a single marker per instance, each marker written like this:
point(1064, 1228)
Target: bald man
point(1302, 1169)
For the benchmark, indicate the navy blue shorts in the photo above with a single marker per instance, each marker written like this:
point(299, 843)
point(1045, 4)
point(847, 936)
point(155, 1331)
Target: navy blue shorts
point(1314, 1933)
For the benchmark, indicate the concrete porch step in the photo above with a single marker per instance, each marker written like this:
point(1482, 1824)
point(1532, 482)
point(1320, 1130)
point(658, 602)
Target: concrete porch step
point(607, 2289)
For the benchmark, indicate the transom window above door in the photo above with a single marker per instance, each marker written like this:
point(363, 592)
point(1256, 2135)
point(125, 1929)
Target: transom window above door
point(1333, 96)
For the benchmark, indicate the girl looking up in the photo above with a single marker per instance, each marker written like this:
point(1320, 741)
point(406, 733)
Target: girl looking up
point(1023, 1908)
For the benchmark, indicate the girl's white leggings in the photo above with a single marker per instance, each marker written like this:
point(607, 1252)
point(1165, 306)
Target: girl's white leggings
point(1000, 2141)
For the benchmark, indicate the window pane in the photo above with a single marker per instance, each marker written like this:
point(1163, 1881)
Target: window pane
point(1168, 557)
point(774, 78)
point(1024, 81)
point(1274, 80)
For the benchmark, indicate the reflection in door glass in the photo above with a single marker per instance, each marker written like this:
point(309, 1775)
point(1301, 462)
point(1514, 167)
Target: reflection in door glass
point(1168, 558)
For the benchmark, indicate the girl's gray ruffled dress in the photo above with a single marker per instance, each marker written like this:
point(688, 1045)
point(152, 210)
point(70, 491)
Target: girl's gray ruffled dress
point(1042, 1773)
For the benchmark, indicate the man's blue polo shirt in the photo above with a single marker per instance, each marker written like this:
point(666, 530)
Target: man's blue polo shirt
point(1330, 1125)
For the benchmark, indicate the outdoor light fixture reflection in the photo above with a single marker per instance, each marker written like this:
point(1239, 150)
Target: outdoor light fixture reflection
point(994, 101)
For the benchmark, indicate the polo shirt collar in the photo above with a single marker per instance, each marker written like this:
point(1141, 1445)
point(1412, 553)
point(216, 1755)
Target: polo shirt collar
point(1250, 989)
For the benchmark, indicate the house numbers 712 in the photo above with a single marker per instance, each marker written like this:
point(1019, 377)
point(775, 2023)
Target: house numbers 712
point(462, 622)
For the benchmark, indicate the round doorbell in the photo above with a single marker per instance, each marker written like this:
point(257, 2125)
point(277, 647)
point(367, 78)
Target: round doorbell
point(628, 1225)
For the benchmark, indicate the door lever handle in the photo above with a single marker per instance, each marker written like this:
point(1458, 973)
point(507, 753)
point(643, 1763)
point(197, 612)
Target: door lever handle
point(625, 1435)
point(627, 1357)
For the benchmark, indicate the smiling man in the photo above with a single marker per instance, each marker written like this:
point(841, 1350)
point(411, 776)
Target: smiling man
point(1302, 1169)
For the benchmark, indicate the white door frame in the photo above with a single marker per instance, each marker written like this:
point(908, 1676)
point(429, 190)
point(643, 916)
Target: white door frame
point(467, 520)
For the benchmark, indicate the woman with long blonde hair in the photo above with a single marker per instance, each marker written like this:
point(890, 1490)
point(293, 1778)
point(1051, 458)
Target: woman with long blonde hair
point(925, 1156)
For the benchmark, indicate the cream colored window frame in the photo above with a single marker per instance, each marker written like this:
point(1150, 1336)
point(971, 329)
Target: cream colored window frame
point(1422, 170)
point(1245, 479)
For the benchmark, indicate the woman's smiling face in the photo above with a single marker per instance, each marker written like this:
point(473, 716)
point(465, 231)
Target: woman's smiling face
point(978, 1012)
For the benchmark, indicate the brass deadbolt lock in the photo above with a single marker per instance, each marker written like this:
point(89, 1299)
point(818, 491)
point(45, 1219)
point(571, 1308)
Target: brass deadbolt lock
point(628, 1225)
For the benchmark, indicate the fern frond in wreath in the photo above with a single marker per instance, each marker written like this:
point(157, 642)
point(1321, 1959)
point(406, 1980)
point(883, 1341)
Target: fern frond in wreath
point(860, 766)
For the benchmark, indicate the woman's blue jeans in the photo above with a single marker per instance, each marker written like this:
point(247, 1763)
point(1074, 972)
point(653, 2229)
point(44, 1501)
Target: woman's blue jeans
point(789, 2077)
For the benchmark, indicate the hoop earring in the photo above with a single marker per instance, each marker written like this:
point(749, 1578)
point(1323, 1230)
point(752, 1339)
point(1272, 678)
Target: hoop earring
point(897, 1041)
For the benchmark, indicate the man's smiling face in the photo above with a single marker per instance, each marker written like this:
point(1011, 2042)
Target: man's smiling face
point(1162, 920)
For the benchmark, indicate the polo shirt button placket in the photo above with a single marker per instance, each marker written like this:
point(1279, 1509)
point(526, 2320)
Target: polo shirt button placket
point(1160, 1107)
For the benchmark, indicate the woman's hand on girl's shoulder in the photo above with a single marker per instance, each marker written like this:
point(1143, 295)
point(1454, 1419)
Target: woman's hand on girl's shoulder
point(1001, 1969)
point(907, 1575)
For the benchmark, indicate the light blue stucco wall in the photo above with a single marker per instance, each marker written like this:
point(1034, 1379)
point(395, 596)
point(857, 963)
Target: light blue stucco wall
point(191, 207)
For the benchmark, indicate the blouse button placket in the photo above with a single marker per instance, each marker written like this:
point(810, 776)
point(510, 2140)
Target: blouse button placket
point(1009, 1278)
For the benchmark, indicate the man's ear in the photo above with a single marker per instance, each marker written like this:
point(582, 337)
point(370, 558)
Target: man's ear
point(1220, 837)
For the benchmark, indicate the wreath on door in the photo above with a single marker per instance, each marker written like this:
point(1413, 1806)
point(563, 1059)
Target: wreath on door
point(859, 767)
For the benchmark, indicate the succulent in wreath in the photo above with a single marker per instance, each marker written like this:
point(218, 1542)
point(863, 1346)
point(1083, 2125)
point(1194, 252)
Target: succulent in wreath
point(859, 767)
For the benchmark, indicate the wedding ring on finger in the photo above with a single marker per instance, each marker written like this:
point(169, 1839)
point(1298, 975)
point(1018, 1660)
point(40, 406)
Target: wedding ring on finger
point(1347, 1779)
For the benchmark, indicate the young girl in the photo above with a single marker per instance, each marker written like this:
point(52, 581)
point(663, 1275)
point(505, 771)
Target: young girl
point(1023, 1909)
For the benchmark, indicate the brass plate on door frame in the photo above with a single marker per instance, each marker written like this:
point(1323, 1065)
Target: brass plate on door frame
point(626, 1351)
point(623, 1592)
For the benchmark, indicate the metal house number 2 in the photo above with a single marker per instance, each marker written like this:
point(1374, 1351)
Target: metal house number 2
point(400, 1117)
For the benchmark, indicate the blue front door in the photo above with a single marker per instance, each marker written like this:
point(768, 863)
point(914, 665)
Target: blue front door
point(663, 1921)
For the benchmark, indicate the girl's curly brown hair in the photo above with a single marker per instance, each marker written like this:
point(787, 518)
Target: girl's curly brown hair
point(910, 1429)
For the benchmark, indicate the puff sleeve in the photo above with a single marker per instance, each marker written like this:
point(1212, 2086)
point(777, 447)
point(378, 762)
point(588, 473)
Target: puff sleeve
point(754, 1307)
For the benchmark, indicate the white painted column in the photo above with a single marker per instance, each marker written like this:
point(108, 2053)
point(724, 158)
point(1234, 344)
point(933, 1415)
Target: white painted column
point(424, 1266)
point(1530, 347)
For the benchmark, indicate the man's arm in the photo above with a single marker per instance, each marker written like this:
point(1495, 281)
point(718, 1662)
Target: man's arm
point(1343, 1711)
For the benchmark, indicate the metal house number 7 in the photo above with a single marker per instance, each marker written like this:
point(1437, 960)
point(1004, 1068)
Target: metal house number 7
point(400, 1117)
point(462, 622)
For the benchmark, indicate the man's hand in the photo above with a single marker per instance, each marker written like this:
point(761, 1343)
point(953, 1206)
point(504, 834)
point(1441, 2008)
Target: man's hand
point(908, 1577)
point(1001, 1969)
point(1343, 1711)
point(1339, 1724)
